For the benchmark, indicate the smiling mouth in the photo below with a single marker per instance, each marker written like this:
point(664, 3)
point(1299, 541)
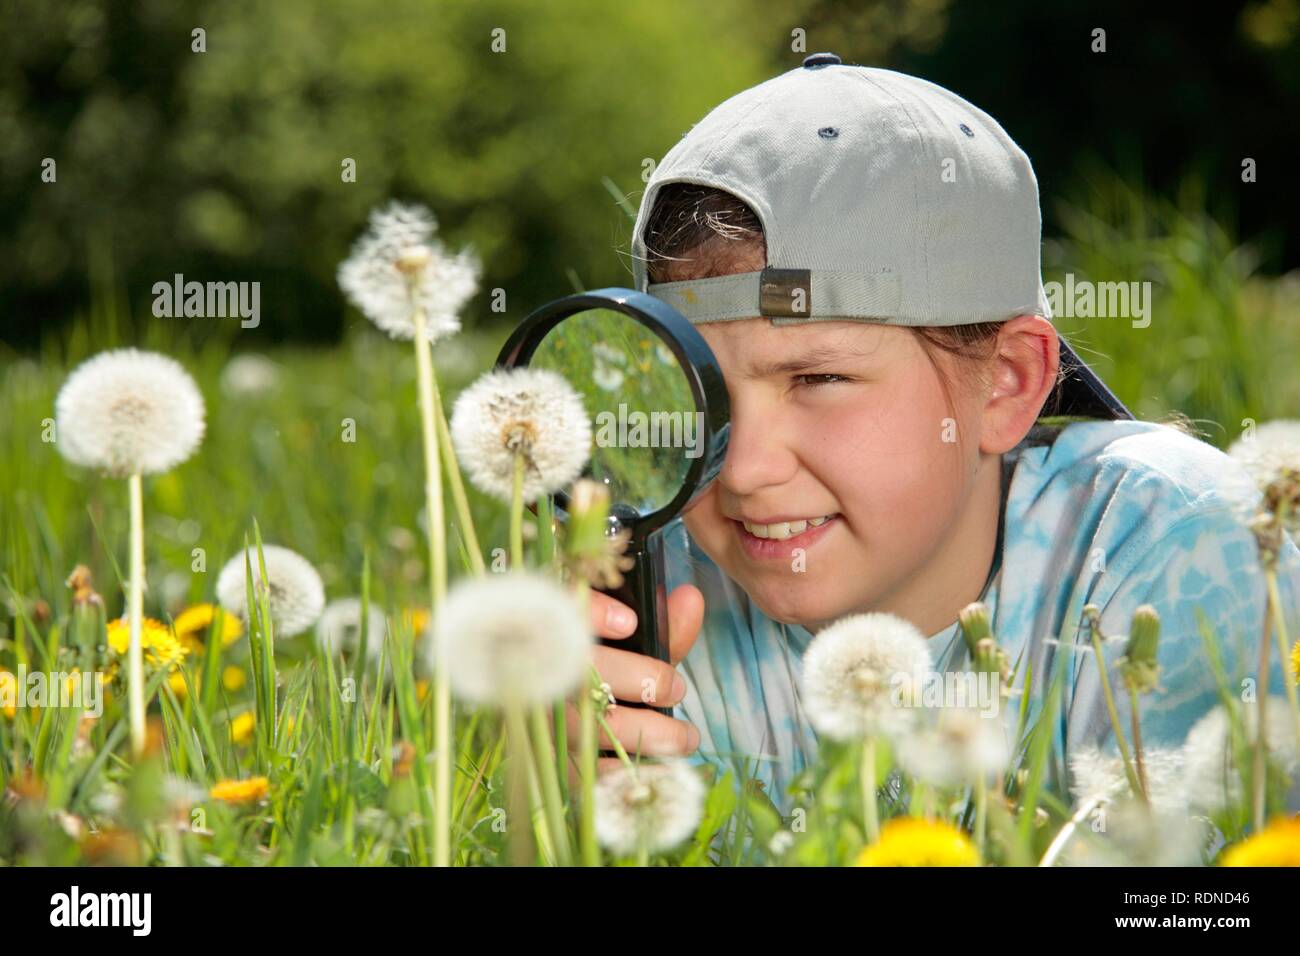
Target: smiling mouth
point(789, 540)
point(784, 530)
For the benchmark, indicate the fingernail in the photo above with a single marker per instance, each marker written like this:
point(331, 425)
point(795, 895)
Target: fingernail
point(679, 687)
point(620, 617)
point(693, 738)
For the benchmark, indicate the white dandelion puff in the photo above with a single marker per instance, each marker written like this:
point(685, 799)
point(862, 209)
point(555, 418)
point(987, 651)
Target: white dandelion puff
point(606, 376)
point(857, 672)
point(129, 412)
point(1267, 455)
point(398, 264)
point(1130, 834)
point(655, 805)
point(1100, 776)
point(296, 595)
point(1211, 775)
point(339, 628)
point(512, 638)
point(250, 375)
point(532, 412)
point(1273, 447)
point(958, 745)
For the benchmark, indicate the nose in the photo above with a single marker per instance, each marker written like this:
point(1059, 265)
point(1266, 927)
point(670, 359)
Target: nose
point(758, 454)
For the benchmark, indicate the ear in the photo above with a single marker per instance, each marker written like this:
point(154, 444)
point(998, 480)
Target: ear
point(1022, 376)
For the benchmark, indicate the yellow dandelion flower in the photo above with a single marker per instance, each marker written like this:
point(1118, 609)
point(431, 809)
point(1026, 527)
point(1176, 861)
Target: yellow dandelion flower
point(233, 678)
point(193, 623)
point(417, 619)
point(241, 791)
point(241, 728)
point(1278, 844)
point(911, 841)
point(421, 689)
point(1295, 661)
point(8, 694)
point(177, 681)
point(160, 646)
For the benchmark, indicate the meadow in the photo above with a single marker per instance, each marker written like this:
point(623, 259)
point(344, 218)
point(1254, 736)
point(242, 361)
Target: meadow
point(260, 749)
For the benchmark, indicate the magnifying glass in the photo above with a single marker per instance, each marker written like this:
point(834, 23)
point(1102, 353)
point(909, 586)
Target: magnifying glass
point(660, 417)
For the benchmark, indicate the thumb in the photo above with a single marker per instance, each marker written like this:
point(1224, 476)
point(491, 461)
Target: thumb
point(685, 615)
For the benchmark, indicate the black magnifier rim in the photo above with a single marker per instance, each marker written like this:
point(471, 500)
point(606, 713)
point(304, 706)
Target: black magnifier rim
point(695, 358)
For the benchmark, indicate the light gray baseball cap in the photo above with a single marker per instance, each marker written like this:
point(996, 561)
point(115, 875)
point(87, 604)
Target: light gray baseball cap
point(883, 198)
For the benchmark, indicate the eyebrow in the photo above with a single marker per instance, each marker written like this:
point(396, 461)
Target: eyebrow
point(817, 357)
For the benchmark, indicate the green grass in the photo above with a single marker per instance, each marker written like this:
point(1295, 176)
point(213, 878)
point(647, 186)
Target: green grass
point(329, 464)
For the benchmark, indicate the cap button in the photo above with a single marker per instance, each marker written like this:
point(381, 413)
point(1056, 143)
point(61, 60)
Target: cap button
point(820, 59)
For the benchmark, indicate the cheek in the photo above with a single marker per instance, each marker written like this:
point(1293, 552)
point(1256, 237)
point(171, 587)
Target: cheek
point(891, 455)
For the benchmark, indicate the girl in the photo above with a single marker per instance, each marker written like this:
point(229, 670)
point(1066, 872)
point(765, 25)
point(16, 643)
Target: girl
point(860, 250)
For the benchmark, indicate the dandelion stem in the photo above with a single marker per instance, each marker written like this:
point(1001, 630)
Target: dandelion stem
point(1279, 626)
point(1259, 764)
point(1134, 784)
point(870, 812)
point(459, 500)
point(618, 747)
point(981, 816)
point(135, 610)
point(1063, 837)
point(587, 757)
point(1136, 720)
point(551, 784)
point(518, 833)
point(438, 588)
point(517, 515)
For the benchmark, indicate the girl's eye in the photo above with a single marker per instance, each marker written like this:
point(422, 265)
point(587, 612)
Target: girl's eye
point(819, 379)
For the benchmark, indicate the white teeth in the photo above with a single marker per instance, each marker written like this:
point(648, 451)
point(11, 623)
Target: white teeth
point(785, 529)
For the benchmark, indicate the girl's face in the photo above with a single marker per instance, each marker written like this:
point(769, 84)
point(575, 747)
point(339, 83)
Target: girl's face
point(847, 421)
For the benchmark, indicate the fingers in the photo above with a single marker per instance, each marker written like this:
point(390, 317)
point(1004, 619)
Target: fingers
point(611, 618)
point(639, 679)
point(685, 616)
point(639, 730)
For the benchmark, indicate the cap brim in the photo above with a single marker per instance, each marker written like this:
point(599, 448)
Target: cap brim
point(1082, 393)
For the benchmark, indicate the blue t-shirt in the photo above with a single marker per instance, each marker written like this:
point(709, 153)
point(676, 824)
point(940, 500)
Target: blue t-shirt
point(1112, 513)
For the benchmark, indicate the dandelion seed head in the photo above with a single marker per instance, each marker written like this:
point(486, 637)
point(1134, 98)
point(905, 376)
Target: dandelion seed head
point(1128, 834)
point(956, 745)
point(250, 375)
point(339, 628)
point(1212, 777)
point(513, 637)
point(295, 593)
point(398, 263)
point(655, 803)
point(852, 670)
point(126, 411)
point(532, 412)
point(1098, 775)
point(1266, 457)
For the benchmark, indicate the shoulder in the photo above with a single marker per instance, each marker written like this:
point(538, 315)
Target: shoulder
point(1140, 471)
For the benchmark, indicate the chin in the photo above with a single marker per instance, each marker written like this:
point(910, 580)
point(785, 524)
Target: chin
point(811, 610)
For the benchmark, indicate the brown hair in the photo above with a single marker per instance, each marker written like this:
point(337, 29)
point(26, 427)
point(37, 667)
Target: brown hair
point(692, 223)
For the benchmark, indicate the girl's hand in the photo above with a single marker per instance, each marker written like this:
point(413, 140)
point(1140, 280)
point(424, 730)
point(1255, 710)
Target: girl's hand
point(642, 679)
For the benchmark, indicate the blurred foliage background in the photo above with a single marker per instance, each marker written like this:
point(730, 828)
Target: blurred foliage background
point(227, 164)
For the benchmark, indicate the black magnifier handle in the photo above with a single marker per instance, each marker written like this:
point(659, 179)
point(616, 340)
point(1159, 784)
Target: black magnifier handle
point(643, 591)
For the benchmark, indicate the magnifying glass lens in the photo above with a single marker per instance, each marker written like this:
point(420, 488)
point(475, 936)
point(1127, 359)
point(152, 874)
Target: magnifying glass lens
point(645, 423)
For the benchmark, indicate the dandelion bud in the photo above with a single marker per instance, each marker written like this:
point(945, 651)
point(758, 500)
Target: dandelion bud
point(603, 696)
point(974, 618)
point(1139, 668)
point(591, 553)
